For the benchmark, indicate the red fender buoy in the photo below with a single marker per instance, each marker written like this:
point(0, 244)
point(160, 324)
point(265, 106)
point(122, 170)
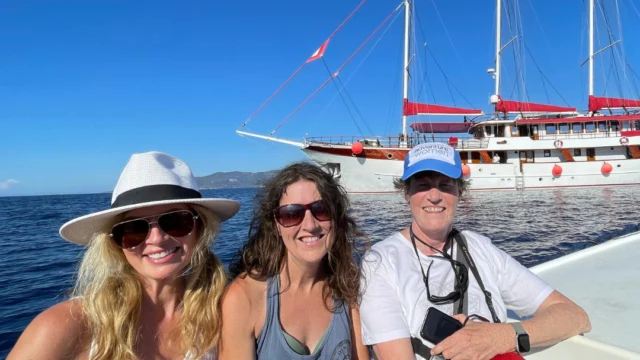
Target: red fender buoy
point(557, 170)
point(356, 147)
point(606, 168)
point(466, 170)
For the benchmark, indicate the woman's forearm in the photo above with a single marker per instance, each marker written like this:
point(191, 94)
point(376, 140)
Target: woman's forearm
point(555, 323)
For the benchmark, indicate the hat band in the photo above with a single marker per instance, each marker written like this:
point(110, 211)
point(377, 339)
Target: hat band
point(154, 193)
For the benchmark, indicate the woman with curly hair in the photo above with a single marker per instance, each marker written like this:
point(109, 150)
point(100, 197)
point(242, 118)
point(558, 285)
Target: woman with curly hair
point(296, 283)
point(148, 285)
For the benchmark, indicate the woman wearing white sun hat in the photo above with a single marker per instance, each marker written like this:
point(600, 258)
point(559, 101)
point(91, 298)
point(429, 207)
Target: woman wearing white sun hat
point(148, 285)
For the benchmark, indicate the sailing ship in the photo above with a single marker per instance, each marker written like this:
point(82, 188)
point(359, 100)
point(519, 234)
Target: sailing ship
point(522, 145)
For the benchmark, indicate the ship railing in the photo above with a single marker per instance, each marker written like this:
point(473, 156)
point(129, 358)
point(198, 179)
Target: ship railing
point(461, 143)
point(588, 135)
point(473, 144)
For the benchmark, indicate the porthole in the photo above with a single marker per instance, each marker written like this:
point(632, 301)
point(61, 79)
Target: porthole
point(389, 155)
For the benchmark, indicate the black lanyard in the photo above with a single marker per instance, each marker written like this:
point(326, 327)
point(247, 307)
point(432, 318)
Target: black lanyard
point(458, 294)
point(462, 244)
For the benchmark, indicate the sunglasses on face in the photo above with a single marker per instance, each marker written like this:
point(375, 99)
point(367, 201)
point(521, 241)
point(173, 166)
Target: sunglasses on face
point(131, 233)
point(293, 214)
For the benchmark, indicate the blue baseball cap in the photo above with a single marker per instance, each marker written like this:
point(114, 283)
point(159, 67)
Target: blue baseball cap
point(432, 157)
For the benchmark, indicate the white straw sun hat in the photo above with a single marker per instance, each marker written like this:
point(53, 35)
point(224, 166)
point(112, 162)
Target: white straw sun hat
point(148, 179)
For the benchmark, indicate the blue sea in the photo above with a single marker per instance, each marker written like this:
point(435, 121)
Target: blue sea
point(37, 268)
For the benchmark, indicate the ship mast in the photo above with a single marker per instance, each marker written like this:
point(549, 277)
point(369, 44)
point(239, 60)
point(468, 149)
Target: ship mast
point(495, 98)
point(591, 6)
point(498, 44)
point(405, 69)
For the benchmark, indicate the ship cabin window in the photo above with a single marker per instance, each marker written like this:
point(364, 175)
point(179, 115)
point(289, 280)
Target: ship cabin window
point(523, 130)
point(547, 153)
point(577, 152)
point(636, 125)
point(464, 157)
point(563, 128)
point(489, 130)
point(515, 131)
point(602, 126)
point(589, 127)
point(626, 125)
point(475, 157)
point(550, 128)
point(500, 131)
point(615, 126)
point(577, 128)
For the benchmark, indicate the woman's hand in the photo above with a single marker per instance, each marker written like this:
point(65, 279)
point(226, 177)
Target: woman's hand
point(477, 340)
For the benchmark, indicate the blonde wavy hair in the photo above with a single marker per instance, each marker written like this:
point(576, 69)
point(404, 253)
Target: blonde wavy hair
point(111, 293)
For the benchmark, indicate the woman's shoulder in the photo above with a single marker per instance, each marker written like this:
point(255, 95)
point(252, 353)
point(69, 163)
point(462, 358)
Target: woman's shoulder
point(392, 249)
point(249, 285)
point(243, 306)
point(67, 315)
point(475, 239)
point(245, 291)
point(60, 329)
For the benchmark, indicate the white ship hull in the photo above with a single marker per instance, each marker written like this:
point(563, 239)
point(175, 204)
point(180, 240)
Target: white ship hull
point(371, 175)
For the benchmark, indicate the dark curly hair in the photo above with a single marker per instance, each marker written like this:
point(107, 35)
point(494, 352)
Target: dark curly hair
point(264, 253)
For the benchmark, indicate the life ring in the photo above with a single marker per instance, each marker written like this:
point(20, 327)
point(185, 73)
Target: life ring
point(558, 144)
point(624, 141)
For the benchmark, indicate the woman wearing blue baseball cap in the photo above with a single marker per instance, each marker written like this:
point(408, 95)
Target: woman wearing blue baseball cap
point(417, 277)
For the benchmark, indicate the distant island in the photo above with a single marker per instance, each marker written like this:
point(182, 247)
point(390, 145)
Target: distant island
point(234, 180)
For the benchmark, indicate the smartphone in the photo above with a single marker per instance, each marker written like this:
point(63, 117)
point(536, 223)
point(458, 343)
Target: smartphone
point(438, 326)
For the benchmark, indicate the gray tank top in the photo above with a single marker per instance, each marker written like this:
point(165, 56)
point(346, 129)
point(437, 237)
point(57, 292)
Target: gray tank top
point(271, 343)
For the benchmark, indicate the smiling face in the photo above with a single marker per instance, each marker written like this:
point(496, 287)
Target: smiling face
point(433, 198)
point(308, 242)
point(161, 256)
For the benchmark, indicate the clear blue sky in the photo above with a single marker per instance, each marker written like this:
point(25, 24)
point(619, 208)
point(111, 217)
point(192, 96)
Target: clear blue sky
point(84, 84)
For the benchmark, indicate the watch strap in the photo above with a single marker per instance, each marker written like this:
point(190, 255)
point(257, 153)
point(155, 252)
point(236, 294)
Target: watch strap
point(519, 331)
point(518, 327)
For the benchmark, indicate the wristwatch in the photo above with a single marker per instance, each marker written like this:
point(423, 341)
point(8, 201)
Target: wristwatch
point(522, 338)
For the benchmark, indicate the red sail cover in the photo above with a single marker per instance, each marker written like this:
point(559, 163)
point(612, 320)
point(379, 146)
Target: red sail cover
point(412, 108)
point(508, 106)
point(599, 103)
point(441, 128)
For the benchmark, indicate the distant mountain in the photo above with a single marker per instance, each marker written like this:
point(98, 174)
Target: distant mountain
point(234, 180)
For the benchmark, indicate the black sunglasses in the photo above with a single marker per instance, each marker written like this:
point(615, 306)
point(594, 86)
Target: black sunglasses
point(460, 272)
point(131, 233)
point(293, 214)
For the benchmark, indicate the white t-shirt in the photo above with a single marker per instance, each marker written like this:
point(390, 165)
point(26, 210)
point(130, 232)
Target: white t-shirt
point(394, 301)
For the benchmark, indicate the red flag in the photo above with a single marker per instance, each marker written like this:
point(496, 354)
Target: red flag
point(319, 53)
